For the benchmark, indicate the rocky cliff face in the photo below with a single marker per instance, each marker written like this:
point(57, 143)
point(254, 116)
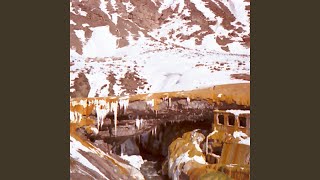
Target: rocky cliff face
point(220, 25)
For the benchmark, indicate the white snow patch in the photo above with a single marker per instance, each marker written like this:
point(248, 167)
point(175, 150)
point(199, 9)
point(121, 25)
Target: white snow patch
point(103, 6)
point(101, 44)
point(174, 166)
point(164, 69)
point(219, 29)
point(94, 86)
point(237, 8)
point(199, 159)
point(172, 4)
point(239, 134)
point(129, 6)
point(244, 139)
point(114, 18)
point(237, 112)
point(209, 42)
point(82, 13)
point(237, 47)
point(186, 12)
point(72, 9)
point(200, 5)
point(114, 4)
point(85, 25)
point(72, 22)
point(134, 160)
point(80, 35)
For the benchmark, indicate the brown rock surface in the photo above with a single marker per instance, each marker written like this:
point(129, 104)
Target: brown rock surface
point(81, 86)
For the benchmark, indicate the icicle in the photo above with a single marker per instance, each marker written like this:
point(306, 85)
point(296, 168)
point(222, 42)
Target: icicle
point(75, 116)
point(188, 100)
point(72, 116)
point(99, 115)
point(73, 103)
point(101, 111)
point(76, 110)
point(138, 123)
point(122, 149)
point(96, 102)
point(150, 103)
point(141, 122)
point(83, 103)
point(124, 103)
point(79, 117)
point(89, 102)
point(114, 107)
point(106, 110)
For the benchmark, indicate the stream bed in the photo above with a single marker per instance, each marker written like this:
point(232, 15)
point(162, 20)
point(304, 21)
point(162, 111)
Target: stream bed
point(153, 145)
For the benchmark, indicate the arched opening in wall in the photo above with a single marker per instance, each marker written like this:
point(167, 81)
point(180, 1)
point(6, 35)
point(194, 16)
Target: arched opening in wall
point(214, 152)
point(221, 119)
point(212, 159)
point(231, 120)
point(242, 122)
point(217, 150)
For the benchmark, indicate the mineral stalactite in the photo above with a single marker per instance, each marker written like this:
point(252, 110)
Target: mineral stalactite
point(124, 103)
point(114, 108)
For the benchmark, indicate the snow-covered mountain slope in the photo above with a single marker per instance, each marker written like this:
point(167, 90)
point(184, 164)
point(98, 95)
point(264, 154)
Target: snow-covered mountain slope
point(142, 46)
point(218, 25)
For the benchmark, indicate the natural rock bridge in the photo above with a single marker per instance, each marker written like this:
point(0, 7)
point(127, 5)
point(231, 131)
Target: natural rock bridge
point(118, 121)
point(146, 110)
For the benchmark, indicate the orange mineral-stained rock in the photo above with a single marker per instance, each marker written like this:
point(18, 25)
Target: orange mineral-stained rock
point(185, 154)
point(229, 93)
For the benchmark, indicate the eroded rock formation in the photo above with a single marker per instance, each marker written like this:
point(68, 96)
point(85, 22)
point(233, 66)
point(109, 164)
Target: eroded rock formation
point(111, 120)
